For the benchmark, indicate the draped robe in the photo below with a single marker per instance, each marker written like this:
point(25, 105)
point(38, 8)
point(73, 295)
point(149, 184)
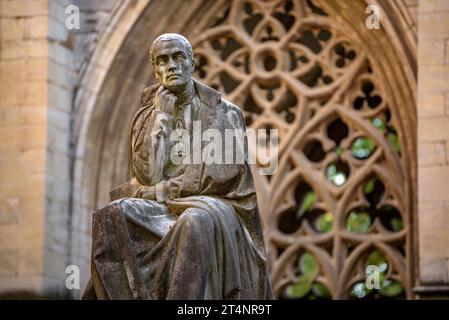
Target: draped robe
point(202, 236)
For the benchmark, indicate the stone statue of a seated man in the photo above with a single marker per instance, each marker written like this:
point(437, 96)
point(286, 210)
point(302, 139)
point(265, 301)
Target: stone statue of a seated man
point(179, 229)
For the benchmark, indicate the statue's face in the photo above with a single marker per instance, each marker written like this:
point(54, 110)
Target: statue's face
point(173, 66)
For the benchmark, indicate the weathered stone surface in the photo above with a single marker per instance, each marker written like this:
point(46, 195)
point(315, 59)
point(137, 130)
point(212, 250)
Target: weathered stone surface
point(432, 154)
point(9, 263)
point(433, 138)
point(10, 210)
point(32, 79)
point(429, 6)
point(433, 270)
point(434, 217)
point(431, 104)
point(432, 52)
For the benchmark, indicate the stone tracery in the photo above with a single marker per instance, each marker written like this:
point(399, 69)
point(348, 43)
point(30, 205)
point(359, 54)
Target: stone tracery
point(338, 202)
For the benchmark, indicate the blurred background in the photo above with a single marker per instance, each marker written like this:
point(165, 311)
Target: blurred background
point(358, 89)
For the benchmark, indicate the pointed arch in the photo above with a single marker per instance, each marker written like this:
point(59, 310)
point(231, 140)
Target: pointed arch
point(301, 66)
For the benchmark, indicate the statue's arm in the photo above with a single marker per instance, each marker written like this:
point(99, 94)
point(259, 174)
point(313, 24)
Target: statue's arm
point(161, 191)
point(167, 189)
point(157, 145)
point(146, 155)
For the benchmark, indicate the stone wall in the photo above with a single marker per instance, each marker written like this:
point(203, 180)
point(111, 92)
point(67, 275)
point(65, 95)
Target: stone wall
point(23, 122)
point(433, 141)
point(40, 61)
point(38, 77)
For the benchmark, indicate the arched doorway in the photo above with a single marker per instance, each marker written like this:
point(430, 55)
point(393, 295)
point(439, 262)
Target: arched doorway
point(342, 99)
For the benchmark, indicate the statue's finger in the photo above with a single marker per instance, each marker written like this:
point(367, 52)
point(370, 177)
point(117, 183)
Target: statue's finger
point(161, 88)
point(172, 99)
point(165, 91)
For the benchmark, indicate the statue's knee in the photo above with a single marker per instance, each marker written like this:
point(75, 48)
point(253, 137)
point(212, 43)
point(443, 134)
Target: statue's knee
point(124, 203)
point(197, 218)
point(111, 208)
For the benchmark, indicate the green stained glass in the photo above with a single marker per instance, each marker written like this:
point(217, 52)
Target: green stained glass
point(338, 151)
point(358, 221)
point(308, 265)
point(363, 147)
point(397, 224)
point(379, 123)
point(337, 177)
point(298, 289)
point(332, 169)
point(369, 187)
point(360, 290)
point(377, 258)
point(307, 204)
point(320, 290)
point(390, 288)
point(324, 222)
point(394, 141)
point(387, 287)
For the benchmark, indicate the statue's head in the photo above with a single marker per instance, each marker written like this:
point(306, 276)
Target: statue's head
point(172, 57)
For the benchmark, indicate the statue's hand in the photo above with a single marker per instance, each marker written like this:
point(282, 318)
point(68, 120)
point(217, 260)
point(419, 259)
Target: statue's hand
point(145, 192)
point(164, 100)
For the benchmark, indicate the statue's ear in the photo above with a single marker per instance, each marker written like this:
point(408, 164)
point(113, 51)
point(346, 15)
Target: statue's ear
point(193, 66)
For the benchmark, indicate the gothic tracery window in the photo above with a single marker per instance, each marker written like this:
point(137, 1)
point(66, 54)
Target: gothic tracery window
point(337, 206)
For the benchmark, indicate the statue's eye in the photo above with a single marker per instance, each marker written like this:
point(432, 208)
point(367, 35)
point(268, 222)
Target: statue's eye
point(179, 56)
point(161, 60)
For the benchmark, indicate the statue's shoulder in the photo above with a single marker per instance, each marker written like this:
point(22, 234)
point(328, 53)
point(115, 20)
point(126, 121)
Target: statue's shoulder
point(231, 113)
point(228, 106)
point(147, 94)
point(146, 103)
point(214, 99)
point(146, 106)
point(141, 115)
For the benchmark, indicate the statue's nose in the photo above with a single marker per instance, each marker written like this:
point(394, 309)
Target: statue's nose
point(172, 65)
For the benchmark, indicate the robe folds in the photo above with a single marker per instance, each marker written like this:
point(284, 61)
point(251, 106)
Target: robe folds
point(201, 238)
